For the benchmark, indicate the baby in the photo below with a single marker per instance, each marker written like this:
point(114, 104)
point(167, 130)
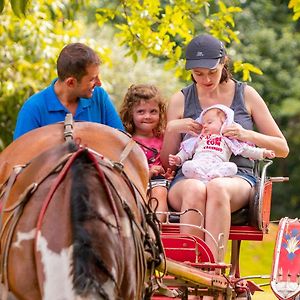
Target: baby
point(207, 156)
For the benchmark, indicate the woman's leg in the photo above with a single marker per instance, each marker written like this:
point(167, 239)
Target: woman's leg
point(224, 195)
point(186, 194)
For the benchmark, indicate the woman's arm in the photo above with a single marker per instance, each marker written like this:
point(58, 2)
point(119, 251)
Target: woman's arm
point(269, 135)
point(176, 125)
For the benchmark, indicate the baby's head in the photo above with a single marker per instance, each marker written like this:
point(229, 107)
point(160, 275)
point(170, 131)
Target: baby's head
point(215, 118)
point(212, 121)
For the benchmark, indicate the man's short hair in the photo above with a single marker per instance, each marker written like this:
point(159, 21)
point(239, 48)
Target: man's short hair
point(74, 59)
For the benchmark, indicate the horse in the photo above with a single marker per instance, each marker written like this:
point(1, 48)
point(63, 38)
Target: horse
point(74, 223)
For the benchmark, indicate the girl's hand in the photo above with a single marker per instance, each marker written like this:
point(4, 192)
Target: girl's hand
point(169, 174)
point(186, 125)
point(174, 160)
point(236, 131)
point(156, 170)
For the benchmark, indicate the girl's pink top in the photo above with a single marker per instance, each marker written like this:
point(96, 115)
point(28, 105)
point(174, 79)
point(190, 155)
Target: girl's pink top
point(151, 147)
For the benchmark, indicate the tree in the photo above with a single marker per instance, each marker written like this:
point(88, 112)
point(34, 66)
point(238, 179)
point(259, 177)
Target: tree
point(272, 44)
point(28, 56)
point(30, 49)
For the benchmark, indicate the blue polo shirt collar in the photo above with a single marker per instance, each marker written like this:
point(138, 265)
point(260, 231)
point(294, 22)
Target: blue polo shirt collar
point(55, 105)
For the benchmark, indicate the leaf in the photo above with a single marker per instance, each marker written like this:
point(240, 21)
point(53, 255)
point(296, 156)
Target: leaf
point(16, 6)
point(2, 2)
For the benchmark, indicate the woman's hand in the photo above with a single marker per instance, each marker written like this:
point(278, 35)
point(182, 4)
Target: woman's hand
point(236, 131)
point(186, 125)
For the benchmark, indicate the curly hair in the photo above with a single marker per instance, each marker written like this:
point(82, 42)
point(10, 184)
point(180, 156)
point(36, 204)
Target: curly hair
point(135, 94)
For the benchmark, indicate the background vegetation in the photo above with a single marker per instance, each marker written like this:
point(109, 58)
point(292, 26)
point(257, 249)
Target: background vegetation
point(143, 41)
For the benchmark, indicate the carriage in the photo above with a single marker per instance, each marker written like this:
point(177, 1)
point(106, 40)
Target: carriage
point(58, 254)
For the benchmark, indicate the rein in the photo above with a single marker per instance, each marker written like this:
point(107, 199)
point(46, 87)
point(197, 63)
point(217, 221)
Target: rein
point(54, 186)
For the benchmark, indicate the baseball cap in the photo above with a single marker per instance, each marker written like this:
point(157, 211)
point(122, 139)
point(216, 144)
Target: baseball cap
point(204, 51)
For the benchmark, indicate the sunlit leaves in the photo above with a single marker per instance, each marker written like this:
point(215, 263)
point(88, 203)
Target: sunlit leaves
point(18, 6)
point(163, 28)
point(295, 6)
point(221, 24)
point(30, 46)
point(246, 69)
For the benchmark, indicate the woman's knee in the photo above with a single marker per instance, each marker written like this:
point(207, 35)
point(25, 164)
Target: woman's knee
point(227, 191)
point(218, 192)
point(191, 192)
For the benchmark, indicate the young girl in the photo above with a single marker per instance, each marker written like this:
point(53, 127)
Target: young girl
point(143, 113)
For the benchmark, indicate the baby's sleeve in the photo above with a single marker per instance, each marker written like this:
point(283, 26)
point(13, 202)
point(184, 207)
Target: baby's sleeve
point(253, 152)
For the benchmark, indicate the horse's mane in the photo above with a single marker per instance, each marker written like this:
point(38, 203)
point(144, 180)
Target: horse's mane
point(87, 262)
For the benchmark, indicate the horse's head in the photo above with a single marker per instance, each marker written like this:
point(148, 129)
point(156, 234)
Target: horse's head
point(99, 191)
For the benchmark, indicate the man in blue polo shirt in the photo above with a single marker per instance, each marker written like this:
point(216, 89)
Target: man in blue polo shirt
point(77, 90)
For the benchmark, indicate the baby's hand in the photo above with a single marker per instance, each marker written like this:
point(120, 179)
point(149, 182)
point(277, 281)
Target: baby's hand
point(269, 154)
point(174, 160)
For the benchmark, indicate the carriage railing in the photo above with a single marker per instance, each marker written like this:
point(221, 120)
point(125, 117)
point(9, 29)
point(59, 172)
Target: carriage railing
point(264, 195)
point(176, 228)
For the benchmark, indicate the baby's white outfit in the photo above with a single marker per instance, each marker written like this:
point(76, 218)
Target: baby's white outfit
point(210, 154)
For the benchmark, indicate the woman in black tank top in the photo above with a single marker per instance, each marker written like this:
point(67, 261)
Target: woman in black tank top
point(213, 84)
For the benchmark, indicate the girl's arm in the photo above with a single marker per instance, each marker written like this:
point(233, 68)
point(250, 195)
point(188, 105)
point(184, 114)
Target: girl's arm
point(269, 135)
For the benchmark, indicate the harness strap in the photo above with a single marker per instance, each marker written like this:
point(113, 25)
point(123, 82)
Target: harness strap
point(68, 128)
point(16, 170)
point(63, 172)
point(16, 211)
point(14, 218)
point(128, 148)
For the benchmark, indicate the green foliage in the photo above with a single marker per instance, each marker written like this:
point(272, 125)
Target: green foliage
point(18, 6)
point(273, 45)
point(163, 28)
point(122, 71)
point(29, 49)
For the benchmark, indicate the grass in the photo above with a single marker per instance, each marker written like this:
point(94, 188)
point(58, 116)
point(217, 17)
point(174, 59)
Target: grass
point(256, 259)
